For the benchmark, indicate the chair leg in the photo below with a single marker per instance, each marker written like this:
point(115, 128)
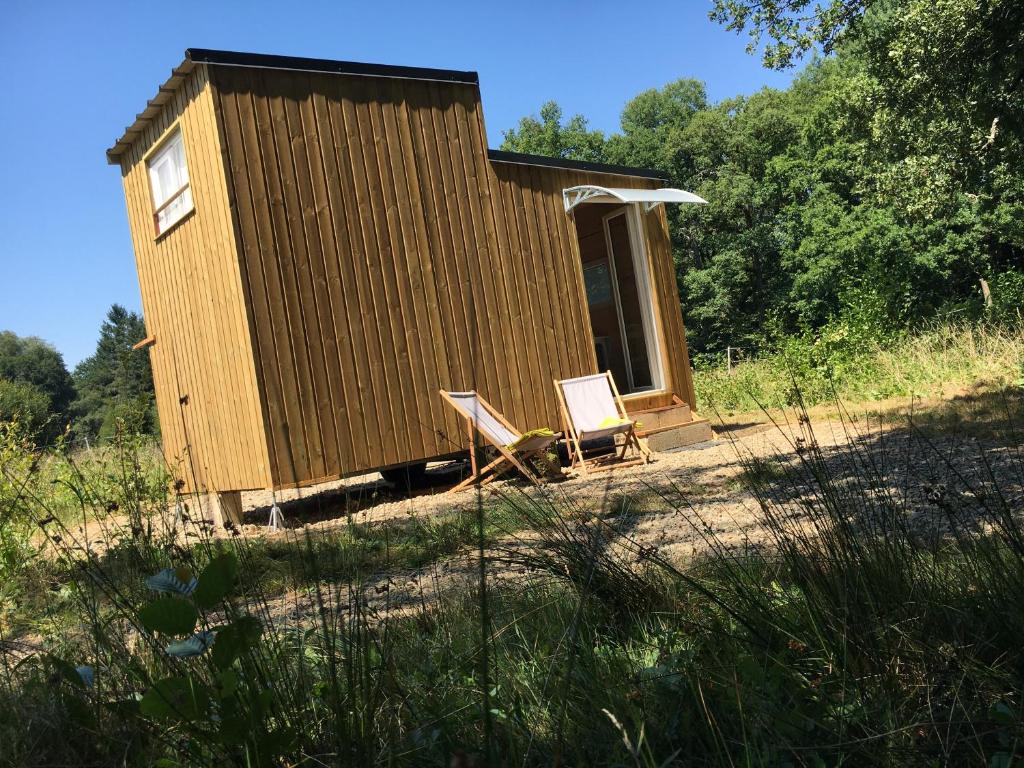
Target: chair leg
point(579, 459)
point(479, 476)
point(640, 447)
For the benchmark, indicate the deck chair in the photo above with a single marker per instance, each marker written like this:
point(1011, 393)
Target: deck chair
point(514, 449)
point(593, 409)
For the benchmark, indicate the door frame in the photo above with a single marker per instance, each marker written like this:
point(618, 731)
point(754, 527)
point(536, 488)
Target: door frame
point(645, 291)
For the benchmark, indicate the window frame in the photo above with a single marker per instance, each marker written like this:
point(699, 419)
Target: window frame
point(172, 134)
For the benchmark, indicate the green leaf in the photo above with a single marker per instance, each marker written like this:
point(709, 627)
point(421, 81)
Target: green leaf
point(66, 671)
point(234, 639)
point(169, 615)
point(277, 742)
point(175, 698)
point(216, 580)
point(234, 729)
point(228, 680)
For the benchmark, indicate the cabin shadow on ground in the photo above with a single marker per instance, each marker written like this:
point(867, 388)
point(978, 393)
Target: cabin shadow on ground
point(944, 469)
point(909, 457)
point(351, 499)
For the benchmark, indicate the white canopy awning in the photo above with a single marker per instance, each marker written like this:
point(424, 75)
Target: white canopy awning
point(590, 193)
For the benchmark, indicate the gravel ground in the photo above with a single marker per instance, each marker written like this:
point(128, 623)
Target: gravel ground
point(676, 501)
point(680, 498)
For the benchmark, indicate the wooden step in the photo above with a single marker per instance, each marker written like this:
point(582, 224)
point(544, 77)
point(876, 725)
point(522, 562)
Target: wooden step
point(664, 439)
point(655, 419)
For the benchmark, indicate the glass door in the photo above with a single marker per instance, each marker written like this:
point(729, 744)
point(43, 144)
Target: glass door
point(634, 303)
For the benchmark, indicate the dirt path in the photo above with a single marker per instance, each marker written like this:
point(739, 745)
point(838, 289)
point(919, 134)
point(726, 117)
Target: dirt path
point(672, 504)
point(675, 503)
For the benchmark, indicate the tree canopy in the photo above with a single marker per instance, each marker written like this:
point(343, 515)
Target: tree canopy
point(35, 385)
point(877, 191)
point(115, 383)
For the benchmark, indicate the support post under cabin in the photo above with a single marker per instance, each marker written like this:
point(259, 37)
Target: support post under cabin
point(224, 507)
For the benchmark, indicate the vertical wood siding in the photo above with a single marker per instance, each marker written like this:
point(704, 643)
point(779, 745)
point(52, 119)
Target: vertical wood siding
point(211, 420)
point(354, 251)
point(384, 257)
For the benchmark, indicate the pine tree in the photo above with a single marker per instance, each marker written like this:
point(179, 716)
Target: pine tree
point(116, 382)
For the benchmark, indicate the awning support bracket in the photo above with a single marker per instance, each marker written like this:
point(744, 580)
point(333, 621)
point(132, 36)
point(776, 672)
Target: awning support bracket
point(576, 195)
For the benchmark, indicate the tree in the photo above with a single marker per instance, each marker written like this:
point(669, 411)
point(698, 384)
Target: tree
point(28, 406)
point(941, 82)
point(653, 123)
point(40, 371)
point(873, 193)
point(116, 382)
point(794, 26)
point(550, 137)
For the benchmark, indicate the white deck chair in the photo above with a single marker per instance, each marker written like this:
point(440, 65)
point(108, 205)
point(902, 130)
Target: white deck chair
point(481, 417)
point(588, 402)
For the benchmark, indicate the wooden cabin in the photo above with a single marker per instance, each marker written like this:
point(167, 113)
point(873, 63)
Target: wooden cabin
point(323, 245)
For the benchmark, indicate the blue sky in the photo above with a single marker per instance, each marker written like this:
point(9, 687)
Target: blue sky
point(77, 72)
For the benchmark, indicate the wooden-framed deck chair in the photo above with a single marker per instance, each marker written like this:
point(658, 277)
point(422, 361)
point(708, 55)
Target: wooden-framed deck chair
point(514, 448)
point(592, 409)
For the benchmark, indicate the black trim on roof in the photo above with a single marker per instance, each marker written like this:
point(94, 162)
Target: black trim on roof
point(238, 59)
point(520, 158)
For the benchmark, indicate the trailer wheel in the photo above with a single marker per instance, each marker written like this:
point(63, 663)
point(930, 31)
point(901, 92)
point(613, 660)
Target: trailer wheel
point(406, 478)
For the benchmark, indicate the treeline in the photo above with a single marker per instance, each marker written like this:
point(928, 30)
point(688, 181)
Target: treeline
point(110, 390)
point(884, 188)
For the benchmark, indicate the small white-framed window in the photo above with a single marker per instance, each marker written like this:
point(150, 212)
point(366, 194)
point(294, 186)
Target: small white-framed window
point(168, 180)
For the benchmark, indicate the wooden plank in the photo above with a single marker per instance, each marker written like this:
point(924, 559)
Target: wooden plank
point(249, 431)
point(413, 289)
point(350, 425)
point(513, 341)
point(225, 416)
point(371, 412)
point(240, 316)
point(447, 318)
point(367, 271)
point(547, 298)
point(297, 461)
point(251, 211)
point(461, 284)
point(562, 276)
point(293, 253)
point(534, 381)
point(316, 311)
point(188, 365)
point(495, 315)
point(409, 359)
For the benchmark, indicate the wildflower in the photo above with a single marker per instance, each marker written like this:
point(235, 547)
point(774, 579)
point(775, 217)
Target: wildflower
point(177, 580)
point(88, 675)
point(196, 645)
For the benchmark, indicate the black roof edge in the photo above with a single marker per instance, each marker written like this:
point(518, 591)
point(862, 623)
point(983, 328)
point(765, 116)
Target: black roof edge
point(521, 158)
point(270, 61)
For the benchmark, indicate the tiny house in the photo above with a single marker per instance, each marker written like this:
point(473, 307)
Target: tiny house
point(324, 245)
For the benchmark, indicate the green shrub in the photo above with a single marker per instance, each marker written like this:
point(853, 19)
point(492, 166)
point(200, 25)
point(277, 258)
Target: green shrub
point(26, 404)
point(18, 481)
point(877, 622)
point(840, 362)
point(1008, 297)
